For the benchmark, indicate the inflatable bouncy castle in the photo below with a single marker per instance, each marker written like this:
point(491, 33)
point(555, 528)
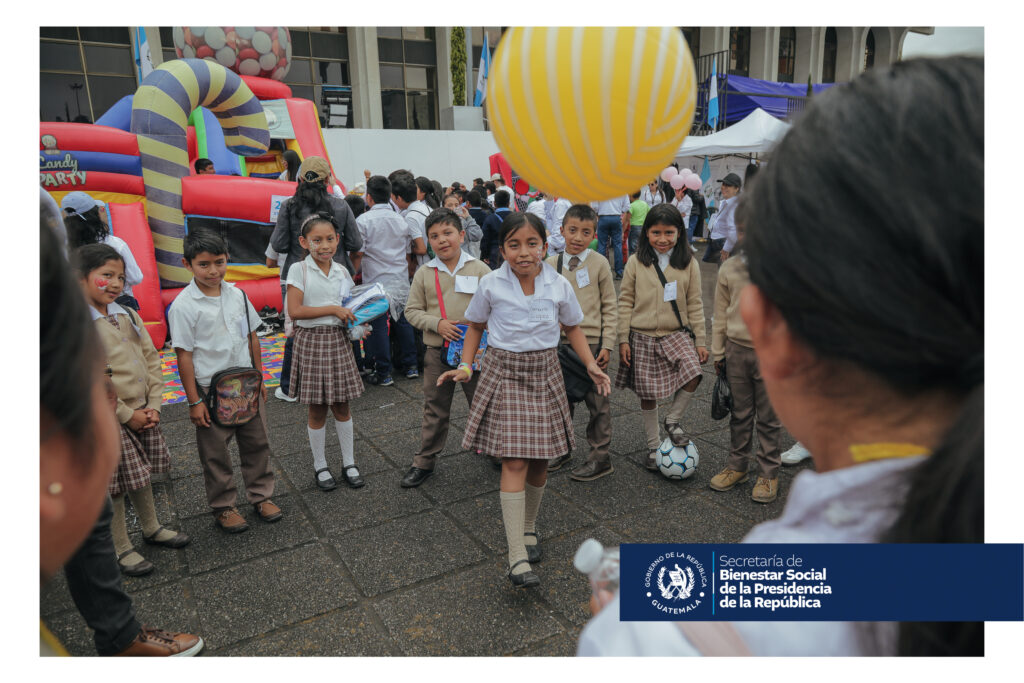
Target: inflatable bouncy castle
point(138, 159)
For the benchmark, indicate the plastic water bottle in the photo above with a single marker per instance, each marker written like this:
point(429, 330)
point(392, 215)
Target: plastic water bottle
point(601, 565)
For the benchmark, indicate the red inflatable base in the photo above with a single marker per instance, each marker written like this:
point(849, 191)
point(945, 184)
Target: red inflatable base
point(265, 292)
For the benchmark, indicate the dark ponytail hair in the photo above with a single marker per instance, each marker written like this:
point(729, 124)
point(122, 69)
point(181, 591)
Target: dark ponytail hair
point(310, 196)
point(887, 275)
point(291, 158)
point(430, 197)
point(85, 228)
point(664, 214)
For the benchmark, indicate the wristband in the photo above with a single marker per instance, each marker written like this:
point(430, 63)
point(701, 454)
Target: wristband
point(467, 367)
point(193, 405)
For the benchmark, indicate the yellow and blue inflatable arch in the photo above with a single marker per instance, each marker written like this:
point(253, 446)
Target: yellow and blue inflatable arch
point(160, 113)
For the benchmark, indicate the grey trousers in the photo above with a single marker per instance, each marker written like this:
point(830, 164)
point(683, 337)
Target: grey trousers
point(748, 398)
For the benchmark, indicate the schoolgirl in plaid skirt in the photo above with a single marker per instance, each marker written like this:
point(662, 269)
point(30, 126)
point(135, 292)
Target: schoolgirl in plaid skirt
point(136, 392)
point(323, 371)
point(519, 411)
point(661, 326)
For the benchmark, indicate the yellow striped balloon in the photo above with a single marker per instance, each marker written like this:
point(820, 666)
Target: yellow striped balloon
point(591, 113)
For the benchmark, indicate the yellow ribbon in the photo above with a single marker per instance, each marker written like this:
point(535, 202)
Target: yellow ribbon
point(866, 452)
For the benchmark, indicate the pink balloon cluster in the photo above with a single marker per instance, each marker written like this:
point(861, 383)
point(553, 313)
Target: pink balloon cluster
point(680, 179)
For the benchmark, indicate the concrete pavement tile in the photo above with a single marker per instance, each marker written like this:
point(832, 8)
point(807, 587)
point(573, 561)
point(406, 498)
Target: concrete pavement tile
point(211, 547)
point(567, 590)
point(345, 509)
point(269, 592)
point(54, 596)
point(342, 633)
point(299, 466)
point(482, 517)
point(475, 612)
point(169, 562)
point(173, 413)
point(190, 494)
point(405, 551)
point(185, 460)
point(625, 490)
point(561, 645)
point(693, 519)
point(179, 435)
point(396, 415)
point(461, 476)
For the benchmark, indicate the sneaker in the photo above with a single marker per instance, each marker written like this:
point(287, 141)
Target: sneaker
point(693, 249)
point(765, 490)
point(284, 397)
point(155, 642)
point(381, 381)
point(726, 479)
point(412, 373)
point(795, 455)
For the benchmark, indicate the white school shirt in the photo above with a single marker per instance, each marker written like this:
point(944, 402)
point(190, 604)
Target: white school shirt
point(500, 302)
point(684, 205)
point(213, 328)
point(566, 257)
point(850, 505)
point(320, 289)
point(612, 207)
point(724, 224)
point(386, 239)
point(416, 213)
point(132, 272)
point(437, 263)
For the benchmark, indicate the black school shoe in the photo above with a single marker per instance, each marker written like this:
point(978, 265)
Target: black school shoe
point(533, 552)
point(327, 484)
point(414, 477)
point(524, 580)
point(557, 463)
point(353, 480)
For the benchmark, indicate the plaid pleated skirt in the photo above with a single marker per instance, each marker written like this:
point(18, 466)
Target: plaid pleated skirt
point(519, 409)
point(323, 367)
point(142, 454)
point(660, 365)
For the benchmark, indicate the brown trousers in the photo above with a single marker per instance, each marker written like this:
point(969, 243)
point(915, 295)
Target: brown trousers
point(599, 429)
point(748, 396)
point(253, 452)
point(437, 408)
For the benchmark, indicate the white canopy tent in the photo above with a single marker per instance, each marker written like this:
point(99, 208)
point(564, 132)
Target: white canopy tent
point(758, 132)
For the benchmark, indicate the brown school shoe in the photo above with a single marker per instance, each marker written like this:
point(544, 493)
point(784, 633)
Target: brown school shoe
point(155, 642)
point(267, 511)
point(726, 479)
point(589, 471)
point(765, 490)
point(231, 521)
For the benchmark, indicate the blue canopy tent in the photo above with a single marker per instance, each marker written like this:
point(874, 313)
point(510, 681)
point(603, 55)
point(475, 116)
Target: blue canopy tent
point(739, 96)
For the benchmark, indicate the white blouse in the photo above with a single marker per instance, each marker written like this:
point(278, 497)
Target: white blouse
point(320, 289)
point(516, 323)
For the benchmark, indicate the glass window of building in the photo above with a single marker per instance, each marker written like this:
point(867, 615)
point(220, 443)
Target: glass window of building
point(83, 71)
point(787, 54)
point(408, 77)
point(320, 72)
point(692, 36)
point(828, 62)
point(739, 51)
point(869, 50)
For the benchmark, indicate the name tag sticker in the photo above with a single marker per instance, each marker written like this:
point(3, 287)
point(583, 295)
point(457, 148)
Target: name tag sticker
point(466, 284)
point(542, 311)
point(670, 291)
point(582, 277)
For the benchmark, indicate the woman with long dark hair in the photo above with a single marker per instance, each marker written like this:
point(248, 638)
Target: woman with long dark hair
point(866, 310)
point(427, 193)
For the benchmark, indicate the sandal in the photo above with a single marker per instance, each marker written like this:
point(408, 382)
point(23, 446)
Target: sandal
point(524, 580)
point(354, 481)
point(178, 540)
point(327, 484)
point(137, 569)
point(533, 553)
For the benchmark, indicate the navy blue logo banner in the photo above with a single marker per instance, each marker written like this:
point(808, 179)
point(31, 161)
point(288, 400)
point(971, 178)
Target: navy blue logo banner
point(822, 582)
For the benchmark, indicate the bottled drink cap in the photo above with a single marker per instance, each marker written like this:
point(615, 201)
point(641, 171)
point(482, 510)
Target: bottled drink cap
point(588, 557)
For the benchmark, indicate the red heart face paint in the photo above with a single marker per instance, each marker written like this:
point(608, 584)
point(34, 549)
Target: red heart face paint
point(101, 283)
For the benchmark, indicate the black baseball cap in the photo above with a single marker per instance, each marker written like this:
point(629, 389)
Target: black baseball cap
point(731, 179)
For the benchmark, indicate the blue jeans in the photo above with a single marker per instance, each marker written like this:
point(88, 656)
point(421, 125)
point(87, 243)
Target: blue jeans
point(690, 228)
point(610, 227)
point(634, 238)
point(378, 345)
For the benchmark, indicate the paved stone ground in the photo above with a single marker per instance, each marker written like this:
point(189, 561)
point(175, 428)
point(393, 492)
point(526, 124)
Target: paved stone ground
point(390, 571)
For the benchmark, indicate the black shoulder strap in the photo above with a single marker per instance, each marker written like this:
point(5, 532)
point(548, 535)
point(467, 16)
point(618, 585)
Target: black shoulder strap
point(248, 323)
point(675, 307)
point(559, 266)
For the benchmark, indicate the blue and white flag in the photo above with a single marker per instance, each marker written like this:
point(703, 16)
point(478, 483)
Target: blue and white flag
point(705, 172)
point(713, 97)
point(481, 79)
point(143, 60)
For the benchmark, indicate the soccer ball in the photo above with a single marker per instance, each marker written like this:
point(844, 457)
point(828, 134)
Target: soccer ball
point(675, 462)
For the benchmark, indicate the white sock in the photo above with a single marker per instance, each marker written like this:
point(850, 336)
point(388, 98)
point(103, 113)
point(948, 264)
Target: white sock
point(650, 418)
point(317, 437)
point(679, 403)
point(513, 510)
point(346, 439)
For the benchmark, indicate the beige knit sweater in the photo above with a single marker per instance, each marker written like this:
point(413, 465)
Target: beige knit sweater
point(423, 311)
point(642, 307)
point(733, 276)
point(600, 312)
point(135, 363)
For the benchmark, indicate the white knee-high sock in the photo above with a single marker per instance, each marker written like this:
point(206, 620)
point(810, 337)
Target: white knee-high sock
point(650, 418)
point(532, 507)
point(513, 509)
point(347, 441)
point(317, 439)
point(679, 403)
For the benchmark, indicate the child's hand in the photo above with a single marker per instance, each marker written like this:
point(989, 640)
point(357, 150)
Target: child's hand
point(138, 421)
point(199, 415)
point(625, 355)
point(449, 331)
point(601, 380)
point(344, 315)
point(602, 358)
point(702, 354)
point(154, 416)
point(456, 375)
